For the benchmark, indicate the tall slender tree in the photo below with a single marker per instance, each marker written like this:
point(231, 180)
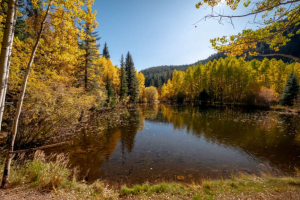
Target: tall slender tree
point(14, 130)
point(6, 50)
point(91, 55)
point(123, 80)
point(133, 84)
point(106, 52)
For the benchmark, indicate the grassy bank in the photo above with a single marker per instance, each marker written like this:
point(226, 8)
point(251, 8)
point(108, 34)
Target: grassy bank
point(52, 175)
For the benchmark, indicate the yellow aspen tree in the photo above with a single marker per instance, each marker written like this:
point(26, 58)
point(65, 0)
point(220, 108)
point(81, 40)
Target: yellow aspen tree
point(141, 79)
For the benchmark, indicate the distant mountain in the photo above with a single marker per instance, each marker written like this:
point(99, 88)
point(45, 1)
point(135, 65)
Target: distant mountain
point(157, 76)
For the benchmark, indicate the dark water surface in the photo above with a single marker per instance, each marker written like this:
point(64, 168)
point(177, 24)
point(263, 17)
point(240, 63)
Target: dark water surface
point(165, 143)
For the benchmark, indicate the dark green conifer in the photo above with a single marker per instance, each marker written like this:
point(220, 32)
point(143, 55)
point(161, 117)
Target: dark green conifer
point(291, 90)
point(110, 94)
point(123, 79)
point(91, 55)
point(157, 81)
point(133, 85)
point(106, 52)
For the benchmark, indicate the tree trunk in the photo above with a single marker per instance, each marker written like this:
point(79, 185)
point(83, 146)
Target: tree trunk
point(19, 106)
point(6, 50)
point(86, 75)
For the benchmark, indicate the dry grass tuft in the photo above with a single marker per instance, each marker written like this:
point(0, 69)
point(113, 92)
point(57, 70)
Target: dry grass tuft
point(51, 173)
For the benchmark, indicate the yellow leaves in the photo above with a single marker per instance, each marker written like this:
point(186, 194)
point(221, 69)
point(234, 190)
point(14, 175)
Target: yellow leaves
point(151, 94)
point(35, 3)
point(246, 3)
point(251, 53)
point(141, 79)
point(109, 72)
point(278, 16)
point(199, 4)
point(229, 79)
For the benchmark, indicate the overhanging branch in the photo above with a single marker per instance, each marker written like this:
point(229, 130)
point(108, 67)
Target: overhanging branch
point(283, 55)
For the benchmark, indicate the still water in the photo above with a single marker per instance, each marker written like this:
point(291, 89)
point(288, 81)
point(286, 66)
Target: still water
point(153, 143)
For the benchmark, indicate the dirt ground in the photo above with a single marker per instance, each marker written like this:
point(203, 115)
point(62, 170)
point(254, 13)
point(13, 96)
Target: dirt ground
point(26, 194)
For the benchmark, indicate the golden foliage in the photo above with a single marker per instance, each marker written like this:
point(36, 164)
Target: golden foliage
point(150, 94)
point(276, 18)
point(229, 79)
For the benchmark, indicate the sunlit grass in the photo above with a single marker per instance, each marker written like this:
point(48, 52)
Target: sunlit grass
point(239, 186)
point(52, 174)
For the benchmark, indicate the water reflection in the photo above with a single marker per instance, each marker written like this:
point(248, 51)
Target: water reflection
point(158, 143)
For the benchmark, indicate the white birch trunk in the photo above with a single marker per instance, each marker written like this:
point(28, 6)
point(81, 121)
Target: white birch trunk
point(6, 50)
point(19, 106)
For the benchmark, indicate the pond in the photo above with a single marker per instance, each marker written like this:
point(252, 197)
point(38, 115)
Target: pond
point(154, 143)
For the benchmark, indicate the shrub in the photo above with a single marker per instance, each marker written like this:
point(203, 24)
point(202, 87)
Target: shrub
point(151, 93)
point(266, 97)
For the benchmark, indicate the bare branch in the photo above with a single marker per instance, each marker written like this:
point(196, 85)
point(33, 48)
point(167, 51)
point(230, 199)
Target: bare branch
point(283, 55)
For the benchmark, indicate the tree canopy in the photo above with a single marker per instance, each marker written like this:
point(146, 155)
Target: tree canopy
point(273, 17)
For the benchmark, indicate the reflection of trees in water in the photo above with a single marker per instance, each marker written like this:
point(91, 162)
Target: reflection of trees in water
point(149, 111)
point(128, 133)
point(261, 134)
point(98, 139)
point(264, 135)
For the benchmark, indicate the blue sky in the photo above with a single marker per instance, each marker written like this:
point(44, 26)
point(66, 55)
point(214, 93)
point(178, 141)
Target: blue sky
point(160, 32)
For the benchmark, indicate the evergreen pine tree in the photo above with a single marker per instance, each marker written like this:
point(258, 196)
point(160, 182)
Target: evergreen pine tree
point(110, 94)
point(151, 82)
point(90, 56)
point(106, 52)
point(133, 84)
point(291, 90)
point(157, 81)
point(123, 80)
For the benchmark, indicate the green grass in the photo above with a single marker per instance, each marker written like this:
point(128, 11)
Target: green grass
point(236, 186)
point(52, 174)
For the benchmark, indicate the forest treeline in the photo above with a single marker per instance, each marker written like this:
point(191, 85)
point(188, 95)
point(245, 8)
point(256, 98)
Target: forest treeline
point(233, 80)
point(157, 76)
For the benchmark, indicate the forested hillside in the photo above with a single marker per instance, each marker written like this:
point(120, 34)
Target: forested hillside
point(157, 76)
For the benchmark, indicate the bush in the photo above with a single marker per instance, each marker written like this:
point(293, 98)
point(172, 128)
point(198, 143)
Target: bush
point(266, 97)
point(150, 94)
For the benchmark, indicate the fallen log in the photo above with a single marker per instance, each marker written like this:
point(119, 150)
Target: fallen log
point(40, 148)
